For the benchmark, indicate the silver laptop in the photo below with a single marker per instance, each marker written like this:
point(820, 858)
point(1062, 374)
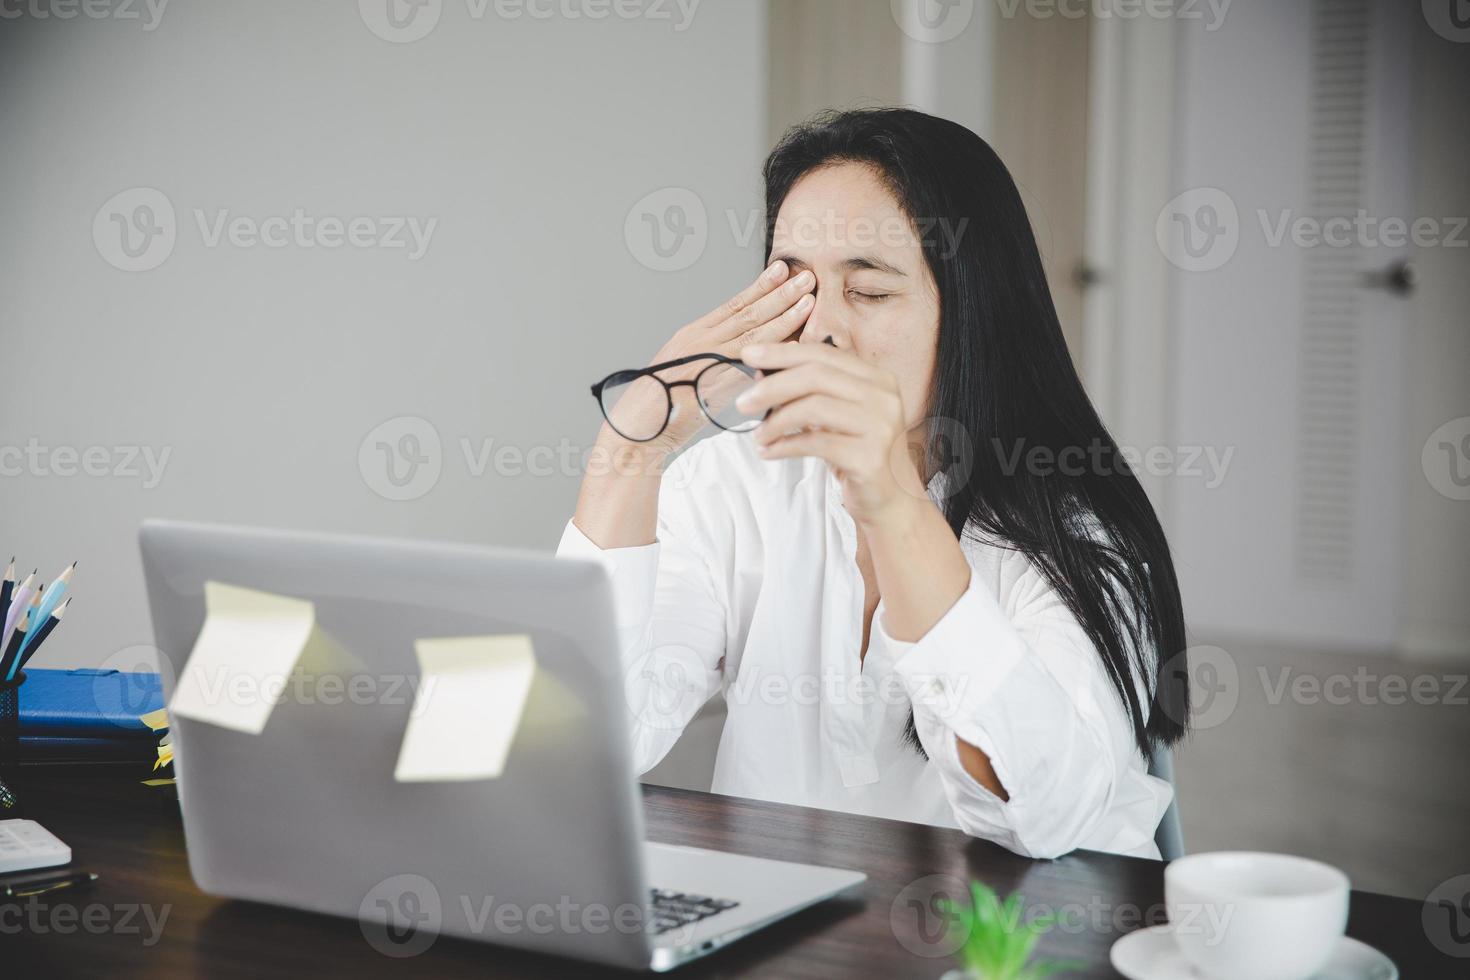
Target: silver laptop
point(549, 856)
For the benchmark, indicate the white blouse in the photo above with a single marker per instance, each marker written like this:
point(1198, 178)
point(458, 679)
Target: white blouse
point(753, 590)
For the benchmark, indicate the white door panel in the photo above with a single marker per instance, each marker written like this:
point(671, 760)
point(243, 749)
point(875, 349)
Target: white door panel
point(1295, 118)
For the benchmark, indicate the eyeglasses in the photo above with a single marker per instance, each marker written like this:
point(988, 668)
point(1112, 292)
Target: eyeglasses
point(639, 404)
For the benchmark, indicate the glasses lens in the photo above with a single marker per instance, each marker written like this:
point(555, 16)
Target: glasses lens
point(637, 408)
point(717, 387)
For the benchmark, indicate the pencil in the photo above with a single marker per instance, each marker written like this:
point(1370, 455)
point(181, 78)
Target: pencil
point(45, 631)
point(19, 603)
point(12, 649)
point(48, 600)
point(7, 586)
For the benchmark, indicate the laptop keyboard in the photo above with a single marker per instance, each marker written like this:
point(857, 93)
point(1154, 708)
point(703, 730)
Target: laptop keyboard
point(672, 910)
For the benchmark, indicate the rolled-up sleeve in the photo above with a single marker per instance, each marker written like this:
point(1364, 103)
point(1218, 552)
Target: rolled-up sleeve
point(1028, 689)
point(670, 616)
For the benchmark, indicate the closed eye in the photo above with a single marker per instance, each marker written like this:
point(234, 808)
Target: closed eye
point(868, 297)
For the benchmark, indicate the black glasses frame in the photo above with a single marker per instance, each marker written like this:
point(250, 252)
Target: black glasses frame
point(629, 376)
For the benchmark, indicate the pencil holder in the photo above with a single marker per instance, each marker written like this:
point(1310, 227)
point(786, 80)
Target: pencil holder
point(10, 720)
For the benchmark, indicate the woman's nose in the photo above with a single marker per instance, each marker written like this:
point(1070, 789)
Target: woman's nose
point(825, 326)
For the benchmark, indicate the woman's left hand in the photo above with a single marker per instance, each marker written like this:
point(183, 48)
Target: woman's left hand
point(829, 403)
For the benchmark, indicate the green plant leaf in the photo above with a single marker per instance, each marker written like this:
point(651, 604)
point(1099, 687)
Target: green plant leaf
point(999, 942)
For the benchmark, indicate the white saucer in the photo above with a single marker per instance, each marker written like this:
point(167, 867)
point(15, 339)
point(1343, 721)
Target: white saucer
point(1150, 954)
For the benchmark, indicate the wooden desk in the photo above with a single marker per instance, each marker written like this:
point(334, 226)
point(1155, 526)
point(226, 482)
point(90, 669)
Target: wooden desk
point(131, 836)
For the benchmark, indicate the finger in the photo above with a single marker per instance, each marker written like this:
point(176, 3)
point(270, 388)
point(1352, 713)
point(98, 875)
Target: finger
point(814, 411)
point(780, 357)
point(779, 329)
point(808, 379)
point(767, 308)
point(774, 275)
point(841, 452)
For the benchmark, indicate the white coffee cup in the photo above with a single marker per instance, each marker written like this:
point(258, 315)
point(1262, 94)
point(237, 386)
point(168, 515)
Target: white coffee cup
point(1242, 915)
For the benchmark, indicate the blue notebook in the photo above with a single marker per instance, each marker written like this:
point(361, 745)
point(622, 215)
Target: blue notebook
point(88, 704)
point(41, 749)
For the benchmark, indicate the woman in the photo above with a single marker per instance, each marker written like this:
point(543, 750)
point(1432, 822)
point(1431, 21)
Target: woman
point(926, 583)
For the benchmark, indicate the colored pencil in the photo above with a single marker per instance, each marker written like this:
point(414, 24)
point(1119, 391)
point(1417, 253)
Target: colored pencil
point(53, 595)
point(7, 586)
point(12, 649)
point(20, 602)
point(50, 624)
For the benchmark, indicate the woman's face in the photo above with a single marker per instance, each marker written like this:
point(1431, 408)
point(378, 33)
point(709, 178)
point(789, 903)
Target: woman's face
point(875, 295)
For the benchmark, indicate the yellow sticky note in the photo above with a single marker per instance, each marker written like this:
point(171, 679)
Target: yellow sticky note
point(243, 658)
point(472, 690)
point(156, 720)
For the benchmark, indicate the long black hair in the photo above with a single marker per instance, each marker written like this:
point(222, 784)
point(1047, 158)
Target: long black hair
point(1003, 377)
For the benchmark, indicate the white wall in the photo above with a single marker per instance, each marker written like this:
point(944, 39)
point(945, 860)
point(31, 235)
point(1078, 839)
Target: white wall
point(260, 371)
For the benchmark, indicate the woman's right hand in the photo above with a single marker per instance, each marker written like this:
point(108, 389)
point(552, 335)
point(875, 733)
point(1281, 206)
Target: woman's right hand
point(769, 310)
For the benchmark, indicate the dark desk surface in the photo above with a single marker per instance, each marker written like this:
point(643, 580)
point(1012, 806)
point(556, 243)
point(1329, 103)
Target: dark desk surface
point(131, 836)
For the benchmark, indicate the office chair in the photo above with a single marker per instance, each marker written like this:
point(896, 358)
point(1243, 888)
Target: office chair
point(1170, 835)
